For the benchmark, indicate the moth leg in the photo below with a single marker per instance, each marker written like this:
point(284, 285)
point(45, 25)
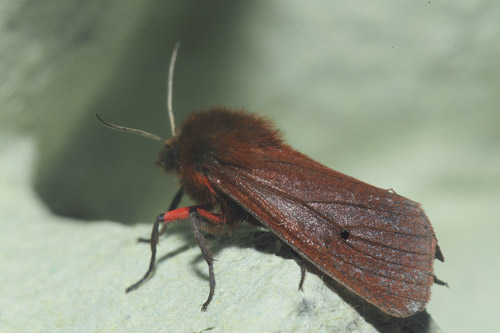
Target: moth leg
point(439, 255)
point(302, 274)
point(196, 220)
point(198, 216)
point(440, 282)
point(298, 259)
point(166, 218)
point(153, 242)
point(302, 265)
point(173, 205)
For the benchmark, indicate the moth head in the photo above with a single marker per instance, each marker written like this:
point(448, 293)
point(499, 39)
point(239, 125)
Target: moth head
point(168, 157)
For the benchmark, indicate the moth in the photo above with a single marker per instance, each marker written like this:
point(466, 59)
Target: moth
point(236, 167)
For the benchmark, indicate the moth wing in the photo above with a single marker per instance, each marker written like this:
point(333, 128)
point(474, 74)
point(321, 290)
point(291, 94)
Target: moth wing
point(373, 241)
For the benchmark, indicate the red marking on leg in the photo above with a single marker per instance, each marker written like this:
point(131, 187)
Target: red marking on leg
point(216, 219)
point(183, 213)
point(176, 214)
point(202, 180)
point(207, 184)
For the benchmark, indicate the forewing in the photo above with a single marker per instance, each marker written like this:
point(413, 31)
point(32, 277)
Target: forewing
point(375, 242)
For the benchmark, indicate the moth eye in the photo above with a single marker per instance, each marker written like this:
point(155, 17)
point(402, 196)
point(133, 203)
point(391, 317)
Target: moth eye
point(344, 234)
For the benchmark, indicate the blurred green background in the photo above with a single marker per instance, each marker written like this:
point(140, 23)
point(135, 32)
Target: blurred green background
point(402, 95)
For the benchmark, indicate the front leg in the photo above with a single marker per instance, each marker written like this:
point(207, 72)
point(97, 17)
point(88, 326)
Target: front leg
point(198, 216)
point(153, 241)
point(196, 221)
point(173, 205)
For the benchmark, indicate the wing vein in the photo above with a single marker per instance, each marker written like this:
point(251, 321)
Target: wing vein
point(329, 220)
point(253, 196)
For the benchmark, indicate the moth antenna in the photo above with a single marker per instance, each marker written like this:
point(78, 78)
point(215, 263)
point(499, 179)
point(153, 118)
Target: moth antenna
point(170, 84)
point(131, 130)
